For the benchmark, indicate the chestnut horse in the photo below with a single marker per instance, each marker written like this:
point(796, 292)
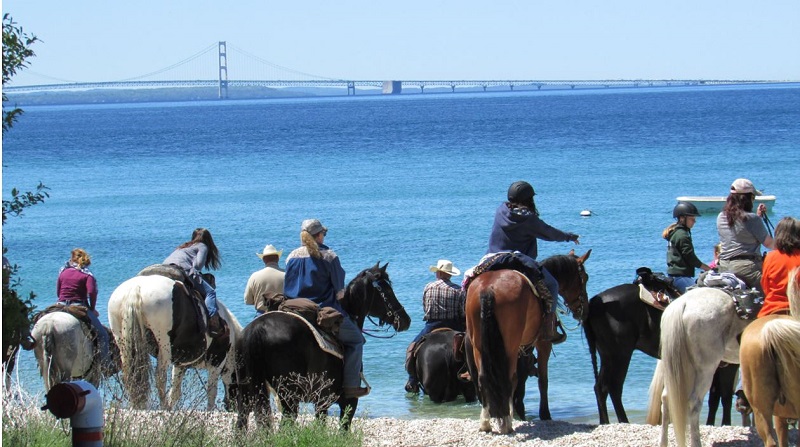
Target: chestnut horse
point(503, 314)
point(770, 361)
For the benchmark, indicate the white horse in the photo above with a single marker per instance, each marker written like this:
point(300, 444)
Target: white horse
point(698, 331)
point(155, 315)
point(64, 350)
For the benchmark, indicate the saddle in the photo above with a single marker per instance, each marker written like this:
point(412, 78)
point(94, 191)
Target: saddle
point(655, 289)
point(748, 302)
point(326, 319)
point(325, 340)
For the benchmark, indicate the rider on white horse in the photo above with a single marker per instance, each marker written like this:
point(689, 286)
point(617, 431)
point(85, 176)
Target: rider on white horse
point(76, 285)
point(192, 256)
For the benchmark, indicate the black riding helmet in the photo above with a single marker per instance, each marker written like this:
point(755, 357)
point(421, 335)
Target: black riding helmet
point(520, 192)
point(684, 209)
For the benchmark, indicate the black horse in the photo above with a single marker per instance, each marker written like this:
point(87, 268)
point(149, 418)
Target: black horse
point(279, 350)
point(438, 370)
point(619, 323)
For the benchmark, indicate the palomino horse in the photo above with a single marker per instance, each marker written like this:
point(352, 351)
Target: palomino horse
point(64, 350)
point(157, 316)
point(278, 350)
point(770, 355)
point(619, 323)
point(503, 314)
point(698, 331)
point(437, 368)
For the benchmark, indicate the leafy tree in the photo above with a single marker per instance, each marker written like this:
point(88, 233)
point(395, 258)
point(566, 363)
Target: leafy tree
point(17, 311)
point(16, 51)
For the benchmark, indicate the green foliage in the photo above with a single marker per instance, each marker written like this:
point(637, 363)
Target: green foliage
point(16, 51)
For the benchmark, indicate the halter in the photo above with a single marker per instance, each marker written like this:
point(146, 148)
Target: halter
point(581, 272)
point(391, 312)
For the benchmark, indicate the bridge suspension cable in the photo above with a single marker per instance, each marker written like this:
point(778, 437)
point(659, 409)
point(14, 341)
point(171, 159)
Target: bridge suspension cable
point(191, 58)
point(279, 67)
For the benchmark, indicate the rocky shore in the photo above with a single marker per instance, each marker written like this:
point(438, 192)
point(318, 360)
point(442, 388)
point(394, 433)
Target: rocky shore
point(385, 432)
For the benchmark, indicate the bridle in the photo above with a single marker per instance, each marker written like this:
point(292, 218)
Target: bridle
point(391, 312)
point(581, 294)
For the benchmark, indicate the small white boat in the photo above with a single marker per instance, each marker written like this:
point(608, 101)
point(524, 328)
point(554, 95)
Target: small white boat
point(714, 204)
point(586, 213)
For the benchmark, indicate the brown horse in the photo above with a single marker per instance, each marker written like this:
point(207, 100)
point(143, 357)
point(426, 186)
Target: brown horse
point(770, 361)
point(503, 314)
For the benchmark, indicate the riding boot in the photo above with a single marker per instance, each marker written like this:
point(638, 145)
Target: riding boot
point(216, 327)
point(412, 385)
point(550, 327)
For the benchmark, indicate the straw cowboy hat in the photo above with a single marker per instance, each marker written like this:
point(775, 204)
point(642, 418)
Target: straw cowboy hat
point(445, 266)
point(269, 250)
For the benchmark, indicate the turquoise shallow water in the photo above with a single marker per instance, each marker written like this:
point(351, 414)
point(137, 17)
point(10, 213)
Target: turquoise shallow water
point(403, 180)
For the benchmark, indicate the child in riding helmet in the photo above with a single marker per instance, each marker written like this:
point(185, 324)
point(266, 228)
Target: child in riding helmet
point(681, 258)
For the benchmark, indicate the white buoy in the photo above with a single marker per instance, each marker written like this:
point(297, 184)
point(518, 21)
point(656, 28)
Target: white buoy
point(586, 213)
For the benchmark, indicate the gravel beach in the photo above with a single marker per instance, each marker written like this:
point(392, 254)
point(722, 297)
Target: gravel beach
point(380, 432)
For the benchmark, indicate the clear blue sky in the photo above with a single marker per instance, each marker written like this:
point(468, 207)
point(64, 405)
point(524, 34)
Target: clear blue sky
point(378, 40)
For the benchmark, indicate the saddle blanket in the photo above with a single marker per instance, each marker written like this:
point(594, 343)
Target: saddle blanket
point(325, 341)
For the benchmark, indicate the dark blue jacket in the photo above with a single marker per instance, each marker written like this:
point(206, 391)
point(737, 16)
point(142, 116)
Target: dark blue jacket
point(518, 229)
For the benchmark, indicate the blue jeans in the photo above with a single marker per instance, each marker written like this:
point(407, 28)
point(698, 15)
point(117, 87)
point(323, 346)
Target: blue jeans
point(552, 286)
point(102, 334)
point(353, 341)
point(211, 297)
point(682, 282)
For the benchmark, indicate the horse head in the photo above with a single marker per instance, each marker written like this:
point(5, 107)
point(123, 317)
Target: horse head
point(571, 274)
point(370, 293)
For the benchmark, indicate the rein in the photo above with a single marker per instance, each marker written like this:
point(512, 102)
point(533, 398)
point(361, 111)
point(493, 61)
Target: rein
point(391, 312)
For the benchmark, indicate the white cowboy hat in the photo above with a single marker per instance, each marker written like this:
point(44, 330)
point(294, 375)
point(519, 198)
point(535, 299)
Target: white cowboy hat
point(445, 266)
point(269, 250)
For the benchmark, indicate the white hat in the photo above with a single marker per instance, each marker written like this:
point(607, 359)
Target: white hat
point(269, 250)
point(743, 186)
point(445, 266)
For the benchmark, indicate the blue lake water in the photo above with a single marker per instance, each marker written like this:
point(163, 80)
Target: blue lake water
point(405, 180)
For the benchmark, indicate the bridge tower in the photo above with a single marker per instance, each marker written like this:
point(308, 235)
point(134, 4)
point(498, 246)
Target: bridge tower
point(223, 71)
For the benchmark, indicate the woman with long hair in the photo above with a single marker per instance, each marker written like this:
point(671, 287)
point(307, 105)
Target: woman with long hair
point(742, 233)
point(192, 256)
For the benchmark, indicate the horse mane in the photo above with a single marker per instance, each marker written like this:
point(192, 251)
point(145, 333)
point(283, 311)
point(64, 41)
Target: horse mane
point(360, 283)
point(561, 266)
point(793, 293)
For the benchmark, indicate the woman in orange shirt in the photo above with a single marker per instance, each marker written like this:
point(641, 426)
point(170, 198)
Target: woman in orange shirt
point(778, 264)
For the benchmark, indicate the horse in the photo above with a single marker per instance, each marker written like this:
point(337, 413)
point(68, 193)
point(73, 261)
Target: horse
point(157, 316)
point(698, 331)
point(770, 361)
point(278, 350)
point(503, 314)
point(438, 369)
point(619, 323)
point(64, 350)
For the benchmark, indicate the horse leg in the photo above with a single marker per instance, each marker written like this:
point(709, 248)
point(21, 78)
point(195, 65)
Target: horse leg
point(613, 374)
point(261, 408)
point(177, 382)
point(664, 418)
point(347, 409)
point(212, 386)
point(782, 430)
point(544, 348)
point(764, 427)
point(695, 405)
point(485, 420)
point(162, 363)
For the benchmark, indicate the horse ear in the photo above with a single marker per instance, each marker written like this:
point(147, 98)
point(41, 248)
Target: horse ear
point(572, 252)
point(383, 269)
point(585, 256)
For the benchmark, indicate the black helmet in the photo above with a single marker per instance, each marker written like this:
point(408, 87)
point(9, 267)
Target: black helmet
point(520, 192)
point(684, 209)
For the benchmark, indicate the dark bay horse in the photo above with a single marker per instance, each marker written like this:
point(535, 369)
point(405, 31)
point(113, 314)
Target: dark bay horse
point(503, 314)
point(279, 351)
point(620, 323)
point(437, 368)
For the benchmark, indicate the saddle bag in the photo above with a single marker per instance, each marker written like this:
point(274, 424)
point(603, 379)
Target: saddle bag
point(747, 302)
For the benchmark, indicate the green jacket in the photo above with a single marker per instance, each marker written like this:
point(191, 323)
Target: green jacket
point(681, 260)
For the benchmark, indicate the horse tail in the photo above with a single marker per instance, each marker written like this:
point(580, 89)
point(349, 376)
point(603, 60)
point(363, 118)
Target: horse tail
point(655, 391)
point(493, 376)
point(46, 362)
point(591, 341)
point(781, 337)
point(678, 367)
point(133, 348)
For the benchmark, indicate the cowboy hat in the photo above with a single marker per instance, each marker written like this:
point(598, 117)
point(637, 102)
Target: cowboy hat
point(269, 250)
point(445, 266)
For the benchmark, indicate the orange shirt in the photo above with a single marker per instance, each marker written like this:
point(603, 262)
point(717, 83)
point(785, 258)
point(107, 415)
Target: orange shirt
point(775, 279)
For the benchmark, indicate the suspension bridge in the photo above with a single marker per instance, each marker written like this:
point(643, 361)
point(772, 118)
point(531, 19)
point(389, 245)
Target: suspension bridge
point(252, 71)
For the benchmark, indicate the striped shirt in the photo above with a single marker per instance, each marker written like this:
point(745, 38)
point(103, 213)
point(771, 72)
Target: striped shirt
point(443, 300)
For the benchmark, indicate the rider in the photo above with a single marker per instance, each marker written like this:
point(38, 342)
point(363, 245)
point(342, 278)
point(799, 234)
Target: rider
point(777, 266)
point(443, 303)
point(681, 259)
point(314, 271)
point(742, 233)
point(76, 285)
point(192, 256)
point(517, 227)
point(268, 280)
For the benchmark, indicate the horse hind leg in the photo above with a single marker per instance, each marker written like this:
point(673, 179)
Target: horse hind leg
point(178, 372)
